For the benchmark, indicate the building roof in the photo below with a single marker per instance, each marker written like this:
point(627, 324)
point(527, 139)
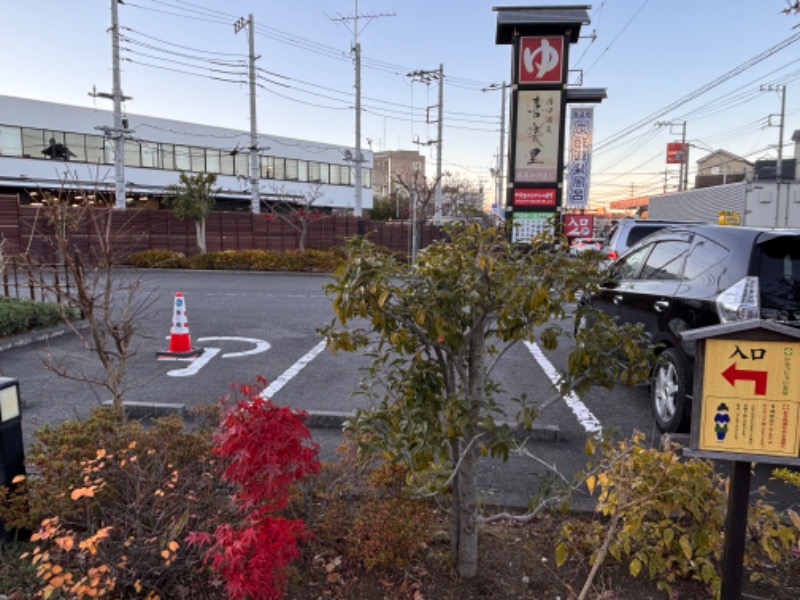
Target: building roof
point(729, 156)
point(512, 19)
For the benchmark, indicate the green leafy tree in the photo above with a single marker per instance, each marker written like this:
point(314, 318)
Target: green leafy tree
point(383, 209)
point(438, 328)
point(193, 198)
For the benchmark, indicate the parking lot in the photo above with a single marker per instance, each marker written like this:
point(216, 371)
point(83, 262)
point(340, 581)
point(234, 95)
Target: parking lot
point(257, 324)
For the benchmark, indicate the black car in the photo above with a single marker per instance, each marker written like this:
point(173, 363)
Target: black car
point(695, 275)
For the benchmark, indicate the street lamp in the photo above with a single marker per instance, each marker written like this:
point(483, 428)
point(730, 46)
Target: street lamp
point(499, 182)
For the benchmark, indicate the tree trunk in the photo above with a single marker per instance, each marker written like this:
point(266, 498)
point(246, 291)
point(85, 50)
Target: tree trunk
point(200, 229)
point(468, 473)
point(303, 234)
point(468, 514)
point(455, 498)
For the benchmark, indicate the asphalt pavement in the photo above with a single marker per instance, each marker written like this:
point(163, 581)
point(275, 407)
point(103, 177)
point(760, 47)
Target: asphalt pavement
point(504, 484)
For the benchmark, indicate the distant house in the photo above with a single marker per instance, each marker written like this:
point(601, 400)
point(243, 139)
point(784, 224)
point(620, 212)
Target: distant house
point(722, 167)
point(391, 164)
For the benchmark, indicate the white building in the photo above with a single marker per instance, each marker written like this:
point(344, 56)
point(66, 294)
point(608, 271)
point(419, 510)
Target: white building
point(45, 145)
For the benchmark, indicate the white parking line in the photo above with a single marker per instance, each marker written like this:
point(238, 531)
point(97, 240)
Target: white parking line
point(289, 373)
point(585, 417)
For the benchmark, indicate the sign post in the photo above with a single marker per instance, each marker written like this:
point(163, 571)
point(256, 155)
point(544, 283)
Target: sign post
point(540, 38)
point(746, 410)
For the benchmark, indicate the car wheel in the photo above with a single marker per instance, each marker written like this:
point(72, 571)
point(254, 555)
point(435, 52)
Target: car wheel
point(672, 380)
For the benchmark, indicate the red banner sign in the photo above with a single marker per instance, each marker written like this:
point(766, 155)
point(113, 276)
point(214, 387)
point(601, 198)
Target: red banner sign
point(676, 153)
point(539, 197)
point(578, 226)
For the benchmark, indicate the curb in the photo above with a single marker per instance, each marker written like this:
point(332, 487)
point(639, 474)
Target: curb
point(38, 335)
point(318, 419)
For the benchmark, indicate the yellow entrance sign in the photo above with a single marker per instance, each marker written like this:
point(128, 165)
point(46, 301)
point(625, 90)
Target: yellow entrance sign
point(751, 397)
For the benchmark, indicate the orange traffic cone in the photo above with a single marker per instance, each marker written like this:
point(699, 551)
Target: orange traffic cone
point(180, 342)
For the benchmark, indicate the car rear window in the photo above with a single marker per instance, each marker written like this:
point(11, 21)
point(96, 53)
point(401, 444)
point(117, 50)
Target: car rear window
point(640, 232)
point(779, 279)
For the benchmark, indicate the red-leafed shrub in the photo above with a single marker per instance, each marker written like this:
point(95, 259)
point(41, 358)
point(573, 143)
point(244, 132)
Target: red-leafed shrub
point(266, 450)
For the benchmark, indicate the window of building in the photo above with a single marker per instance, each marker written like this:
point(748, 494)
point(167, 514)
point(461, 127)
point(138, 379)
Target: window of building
point(213, 163)
point(366, 178)
point(313, 171)
point(267, 167)
point(183, 161)
point(197, 159)
point(32, 142)
point(74, 147)
point(95, 149)
point(324, 173)
point(226, 163)
point(168, 157)
point(133, 156)
point(335, 175)
point(10, 141)
point(150, 155)
point(280, 168)
point(302, 170)
point(242, 164)
point(291, 169)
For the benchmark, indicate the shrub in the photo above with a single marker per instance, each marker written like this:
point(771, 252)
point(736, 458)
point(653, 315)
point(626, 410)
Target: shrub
point(114, 504)
point(266, 450)
point(367, 515)
point(666, 517)
point(18, 316)
point(246, 260)
point(155, 259)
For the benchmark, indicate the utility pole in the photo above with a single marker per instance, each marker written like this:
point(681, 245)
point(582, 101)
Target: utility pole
point(685, 160)
point(438, 196)
point(255, 176)
point(116, 133)
point(779, 163)
point(426, 77)
point(358, 158)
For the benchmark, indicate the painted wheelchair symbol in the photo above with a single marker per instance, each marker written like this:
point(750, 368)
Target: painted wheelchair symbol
point(198, 363)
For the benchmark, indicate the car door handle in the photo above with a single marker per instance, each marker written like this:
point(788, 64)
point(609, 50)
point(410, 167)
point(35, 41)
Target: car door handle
point(617, 298)
point(661, 305)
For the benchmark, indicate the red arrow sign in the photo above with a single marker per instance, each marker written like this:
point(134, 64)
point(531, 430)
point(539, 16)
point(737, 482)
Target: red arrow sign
point(732, 374)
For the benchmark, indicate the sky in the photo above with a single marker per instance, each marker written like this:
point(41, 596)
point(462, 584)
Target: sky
point(701, 65)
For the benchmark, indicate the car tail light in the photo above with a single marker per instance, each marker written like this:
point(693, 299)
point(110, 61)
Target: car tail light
point(613, 255)
point(740, 302)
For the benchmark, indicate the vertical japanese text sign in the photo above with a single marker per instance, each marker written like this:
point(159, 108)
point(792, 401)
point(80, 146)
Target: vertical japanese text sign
point(580, 154)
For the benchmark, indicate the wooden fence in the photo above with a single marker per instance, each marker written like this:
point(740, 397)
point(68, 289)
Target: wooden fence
point(27, 230)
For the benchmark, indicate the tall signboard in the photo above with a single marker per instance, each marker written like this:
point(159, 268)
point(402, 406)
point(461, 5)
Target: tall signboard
point(580, 154)
point(540, 38)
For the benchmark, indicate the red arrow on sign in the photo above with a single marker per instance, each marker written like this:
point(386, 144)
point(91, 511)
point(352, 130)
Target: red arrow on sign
point(732, 374)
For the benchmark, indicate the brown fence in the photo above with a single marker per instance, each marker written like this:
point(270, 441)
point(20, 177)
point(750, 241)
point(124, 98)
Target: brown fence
point(26, 230)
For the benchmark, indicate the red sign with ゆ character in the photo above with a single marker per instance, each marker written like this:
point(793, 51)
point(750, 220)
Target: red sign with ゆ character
point(540, 59)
